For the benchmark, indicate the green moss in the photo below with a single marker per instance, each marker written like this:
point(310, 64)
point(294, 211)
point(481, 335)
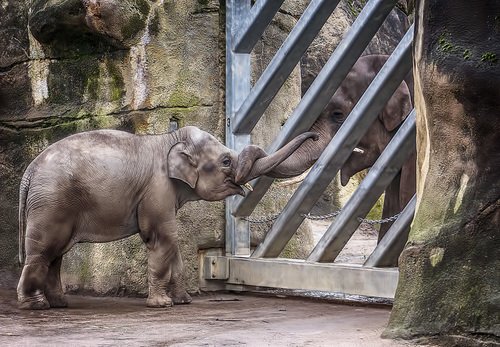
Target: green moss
point(489, 57)
point(117, 84)
point(444, 44)
point(135, 25)
point(355, 7)
point(143, 7)
point(376, 211)
point(154, 24)
point(180, 98)
point(70, 79)
point(92, 86)
point(466, 54)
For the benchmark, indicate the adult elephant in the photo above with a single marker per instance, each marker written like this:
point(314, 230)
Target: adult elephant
point(373, 142)
point(105, 185)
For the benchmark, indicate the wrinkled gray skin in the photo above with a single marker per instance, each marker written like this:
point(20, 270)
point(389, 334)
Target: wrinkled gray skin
point(373, 142)
point(105, 185)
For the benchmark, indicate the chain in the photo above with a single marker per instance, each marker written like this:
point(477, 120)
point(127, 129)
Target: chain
point(262, 219)
point(321, 217)
point(379, 221)
point(272, 217)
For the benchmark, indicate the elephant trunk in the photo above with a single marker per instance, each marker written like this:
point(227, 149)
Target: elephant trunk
point(253, 161)
point(306, 155)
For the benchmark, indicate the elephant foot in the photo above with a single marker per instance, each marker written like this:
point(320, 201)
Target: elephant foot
point(35, 302)
point(159, 301)
point(57, 301)
point(182, 298)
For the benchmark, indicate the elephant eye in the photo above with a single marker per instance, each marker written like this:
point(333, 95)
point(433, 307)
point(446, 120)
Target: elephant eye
point(338, 117)
point(226, 162)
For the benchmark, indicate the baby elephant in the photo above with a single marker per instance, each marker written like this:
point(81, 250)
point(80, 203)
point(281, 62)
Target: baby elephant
point(105, 185)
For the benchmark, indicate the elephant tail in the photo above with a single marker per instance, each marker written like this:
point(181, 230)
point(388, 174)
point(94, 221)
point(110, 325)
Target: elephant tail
point(23, 194)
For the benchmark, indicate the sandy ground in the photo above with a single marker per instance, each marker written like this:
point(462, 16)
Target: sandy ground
point(211, 320)
point(360, 246)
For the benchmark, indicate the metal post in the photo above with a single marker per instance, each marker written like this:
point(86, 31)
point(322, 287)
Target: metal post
point(237, 89)
point(338, 150)
point(256, 22)
point(389, 248)
point(324, 86)
point(378, 178)
point(283, 63)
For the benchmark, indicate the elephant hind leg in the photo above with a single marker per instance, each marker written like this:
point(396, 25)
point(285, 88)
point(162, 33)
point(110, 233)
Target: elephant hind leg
point(45, 243)
point(53, 287)
point(30, 291)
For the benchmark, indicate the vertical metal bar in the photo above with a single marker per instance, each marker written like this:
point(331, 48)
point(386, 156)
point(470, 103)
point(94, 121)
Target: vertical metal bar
point(378, 178)
point(237, 89)
point(338, 150)
point(389, 248)
point(324, 86)
point(255, 23)
point(283, 63)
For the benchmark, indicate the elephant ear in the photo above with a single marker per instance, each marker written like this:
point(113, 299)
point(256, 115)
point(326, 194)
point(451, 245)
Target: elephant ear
point(397, 108)
point(181, 165)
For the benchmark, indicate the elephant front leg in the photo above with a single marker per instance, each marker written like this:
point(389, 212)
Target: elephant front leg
point(161, 263)
point(176, 289)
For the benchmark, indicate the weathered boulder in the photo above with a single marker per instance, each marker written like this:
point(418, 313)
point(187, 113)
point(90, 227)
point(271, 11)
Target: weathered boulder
point(449, 284)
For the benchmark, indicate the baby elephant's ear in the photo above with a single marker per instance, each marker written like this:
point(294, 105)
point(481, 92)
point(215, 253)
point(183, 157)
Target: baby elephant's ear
point(181, 164)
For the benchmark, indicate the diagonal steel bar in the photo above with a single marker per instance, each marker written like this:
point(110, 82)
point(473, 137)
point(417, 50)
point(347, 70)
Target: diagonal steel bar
point(261, 14)
point(378, 178)
point(338, 150)
point(283, 63)
point(323, 88)
point(389, 248)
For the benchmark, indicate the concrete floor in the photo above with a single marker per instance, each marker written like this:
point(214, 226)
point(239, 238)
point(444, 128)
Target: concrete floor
point(211, 320)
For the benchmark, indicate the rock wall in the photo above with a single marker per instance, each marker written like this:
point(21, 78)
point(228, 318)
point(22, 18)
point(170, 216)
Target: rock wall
point(449, 270)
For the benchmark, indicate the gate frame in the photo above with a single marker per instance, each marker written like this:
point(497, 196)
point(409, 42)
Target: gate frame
point(238, 268)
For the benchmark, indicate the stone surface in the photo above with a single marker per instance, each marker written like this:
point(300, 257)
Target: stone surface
point(449, 270)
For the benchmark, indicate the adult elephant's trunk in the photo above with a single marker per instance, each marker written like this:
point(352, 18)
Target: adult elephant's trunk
point(307, 154)
point(253, 161)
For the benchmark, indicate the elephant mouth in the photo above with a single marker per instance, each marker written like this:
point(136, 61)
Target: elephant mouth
point(238, 188)
point(347, 171)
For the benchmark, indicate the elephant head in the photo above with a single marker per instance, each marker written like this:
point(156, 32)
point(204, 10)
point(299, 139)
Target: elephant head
point(371, 144)
point(335, 113)
point(215, 172)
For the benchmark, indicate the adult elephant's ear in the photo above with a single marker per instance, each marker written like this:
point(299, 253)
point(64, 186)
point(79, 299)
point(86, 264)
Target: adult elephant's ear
point(181, 165)
point(397, 108)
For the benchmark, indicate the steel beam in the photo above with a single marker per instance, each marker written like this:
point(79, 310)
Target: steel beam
point(283, 63)
point(324, 86)
point(378, 178)
point(248, 33)
point(237, 89)
point(389, 248)
point(338, 150)
point(298, 274)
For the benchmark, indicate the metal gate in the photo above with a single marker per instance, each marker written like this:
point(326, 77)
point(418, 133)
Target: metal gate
point(245, 105)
